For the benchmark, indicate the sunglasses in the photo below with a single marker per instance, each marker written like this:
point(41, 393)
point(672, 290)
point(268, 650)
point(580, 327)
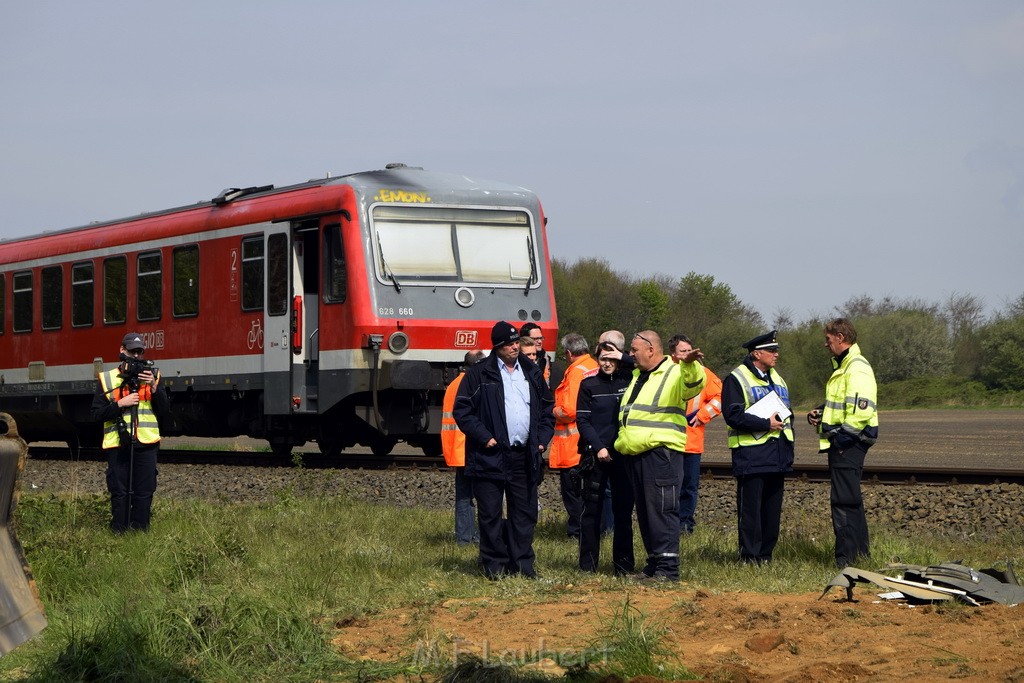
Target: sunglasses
point(640, 336)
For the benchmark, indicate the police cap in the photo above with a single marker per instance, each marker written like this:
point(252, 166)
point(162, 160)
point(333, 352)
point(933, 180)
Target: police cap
point(765, 341)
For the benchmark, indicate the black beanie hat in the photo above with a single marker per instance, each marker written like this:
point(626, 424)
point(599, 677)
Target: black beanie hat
point(503, 333)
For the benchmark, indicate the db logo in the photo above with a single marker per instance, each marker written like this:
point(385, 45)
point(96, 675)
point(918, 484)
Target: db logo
point(465, 339)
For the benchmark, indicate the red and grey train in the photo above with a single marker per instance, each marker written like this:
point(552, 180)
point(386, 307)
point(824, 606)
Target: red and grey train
point(334, 311)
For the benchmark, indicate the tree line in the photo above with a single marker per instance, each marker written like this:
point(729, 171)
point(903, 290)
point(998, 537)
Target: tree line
point(923, 353)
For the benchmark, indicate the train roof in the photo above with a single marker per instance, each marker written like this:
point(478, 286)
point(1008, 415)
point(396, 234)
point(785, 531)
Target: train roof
point(395, 176)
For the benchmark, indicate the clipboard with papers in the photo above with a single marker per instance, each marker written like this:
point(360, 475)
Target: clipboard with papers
point(768, 405)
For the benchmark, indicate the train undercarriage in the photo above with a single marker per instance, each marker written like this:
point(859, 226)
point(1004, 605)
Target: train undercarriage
point(413, 417)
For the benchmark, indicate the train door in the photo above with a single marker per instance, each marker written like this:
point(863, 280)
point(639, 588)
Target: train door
point(305, 313)
point(277, 322)
point(291, 343)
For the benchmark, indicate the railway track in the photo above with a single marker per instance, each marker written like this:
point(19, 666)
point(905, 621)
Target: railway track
point(363, 459)
point(357, 459)
point(888, 474)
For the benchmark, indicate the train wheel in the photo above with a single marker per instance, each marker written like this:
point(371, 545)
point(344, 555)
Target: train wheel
point(383, 445)
point(431, 447)
point(330, 447)
point(282, 451)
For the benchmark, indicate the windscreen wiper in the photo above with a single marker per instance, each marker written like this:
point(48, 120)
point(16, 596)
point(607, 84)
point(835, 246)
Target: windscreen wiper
point(533, 265)
point(387, 271)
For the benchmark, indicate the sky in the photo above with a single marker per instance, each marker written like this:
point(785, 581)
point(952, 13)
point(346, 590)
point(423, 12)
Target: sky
point(803, 152)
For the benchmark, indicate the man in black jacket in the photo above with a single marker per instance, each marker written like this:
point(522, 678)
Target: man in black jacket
point(504, 408)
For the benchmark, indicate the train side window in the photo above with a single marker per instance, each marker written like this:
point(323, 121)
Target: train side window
point(277, 274)
point(21, 301)
point(115, 290)
point(3, 302)
point(149, 285)
point(335, 268)
point(252, 273)
point(185, 264)
point(82, 290)
point(51, 303)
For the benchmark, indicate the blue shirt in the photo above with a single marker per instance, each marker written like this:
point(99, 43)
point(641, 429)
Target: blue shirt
point(517, 403)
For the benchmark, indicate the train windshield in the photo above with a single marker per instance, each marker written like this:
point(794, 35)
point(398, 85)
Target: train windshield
point(421, 244)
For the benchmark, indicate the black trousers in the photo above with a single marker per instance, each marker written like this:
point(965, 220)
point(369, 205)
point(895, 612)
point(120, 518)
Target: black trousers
point(849, 522)
point(568, 484)
point(595, 484)
point(131, 481)
point(759, 514)
point(657, 477)
point(506, 545)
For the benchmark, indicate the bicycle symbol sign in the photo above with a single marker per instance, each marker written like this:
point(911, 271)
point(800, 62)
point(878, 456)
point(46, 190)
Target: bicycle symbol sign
point(255, 337)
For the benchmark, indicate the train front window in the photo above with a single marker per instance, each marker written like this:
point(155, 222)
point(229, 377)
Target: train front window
point(443, 244)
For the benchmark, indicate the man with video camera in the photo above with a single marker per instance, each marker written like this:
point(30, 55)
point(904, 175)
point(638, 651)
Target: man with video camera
point(130, 403)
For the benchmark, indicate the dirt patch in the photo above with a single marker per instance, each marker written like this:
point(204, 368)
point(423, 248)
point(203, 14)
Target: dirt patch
point(725, 636)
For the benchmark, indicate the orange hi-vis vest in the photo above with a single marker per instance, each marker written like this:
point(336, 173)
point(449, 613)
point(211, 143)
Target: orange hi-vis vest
point(565, 445)
point(453, 441)
point(708, 405)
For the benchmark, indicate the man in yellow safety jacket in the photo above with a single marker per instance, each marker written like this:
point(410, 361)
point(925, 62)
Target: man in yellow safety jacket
point(652, 429)
point(453, 446)
point(761, 445)
point(130, 402)
point(848, 426)
point(564, 454)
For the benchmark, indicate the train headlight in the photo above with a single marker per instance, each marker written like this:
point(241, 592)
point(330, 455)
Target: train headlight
point(464, 297)
point(398, 342)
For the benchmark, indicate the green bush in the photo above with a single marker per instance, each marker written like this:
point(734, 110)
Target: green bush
point(944, 392)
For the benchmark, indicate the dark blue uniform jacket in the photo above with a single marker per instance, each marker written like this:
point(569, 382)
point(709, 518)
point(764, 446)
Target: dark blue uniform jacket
point(480, 414)
point(774, 455)
point(597, 409)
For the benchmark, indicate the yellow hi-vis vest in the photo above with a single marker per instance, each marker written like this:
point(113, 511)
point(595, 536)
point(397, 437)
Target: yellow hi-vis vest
point(453, 441)
point(850, 401)
point(657, 417)
point(147, 429)
point(755, 388)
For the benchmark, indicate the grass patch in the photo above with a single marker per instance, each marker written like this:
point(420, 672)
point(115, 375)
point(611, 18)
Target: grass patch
point(635, 646)
point(256, 592)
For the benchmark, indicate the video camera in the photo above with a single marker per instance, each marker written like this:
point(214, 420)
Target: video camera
point(131, 368)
